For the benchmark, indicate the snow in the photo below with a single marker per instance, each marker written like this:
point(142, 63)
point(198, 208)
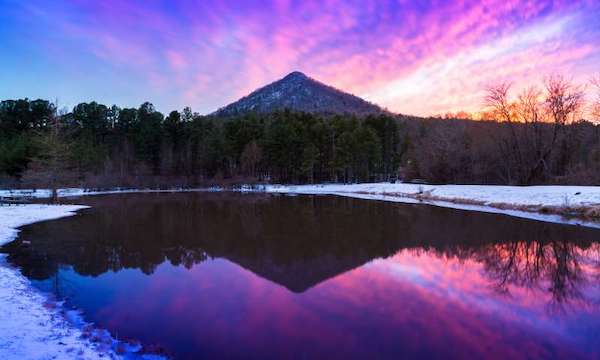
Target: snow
point(485, 198)
point(73, 192)
point(521, 195)
point(12, 217)
point(489, 194)
point(31, 326)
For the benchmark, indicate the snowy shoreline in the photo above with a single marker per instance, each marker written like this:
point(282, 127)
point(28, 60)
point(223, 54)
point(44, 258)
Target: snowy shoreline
point(30, 326)
point(575, 205)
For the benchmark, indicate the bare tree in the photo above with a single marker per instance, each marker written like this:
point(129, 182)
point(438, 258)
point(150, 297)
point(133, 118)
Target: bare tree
point(529, 111)
point(562, 104)
point(502, 109)
point(596, 102)
point(563, 100)
point(497, 99)
point(535, 122)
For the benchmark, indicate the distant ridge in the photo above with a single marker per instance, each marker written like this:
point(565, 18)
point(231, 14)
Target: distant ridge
point(298, 92)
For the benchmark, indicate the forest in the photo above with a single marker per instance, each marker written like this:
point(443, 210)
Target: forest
point(548, 135)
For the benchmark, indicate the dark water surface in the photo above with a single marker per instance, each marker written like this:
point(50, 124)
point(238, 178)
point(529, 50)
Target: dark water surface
point(223, 275)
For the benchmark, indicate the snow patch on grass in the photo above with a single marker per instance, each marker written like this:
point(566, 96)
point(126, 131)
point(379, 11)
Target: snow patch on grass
point(75, 192)
point(558, 204)
point(577, 205)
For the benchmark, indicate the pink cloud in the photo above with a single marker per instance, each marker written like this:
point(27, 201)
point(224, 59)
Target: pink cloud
point(362, 47)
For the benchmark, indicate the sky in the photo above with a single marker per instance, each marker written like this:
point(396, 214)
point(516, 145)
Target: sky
point(414, 57)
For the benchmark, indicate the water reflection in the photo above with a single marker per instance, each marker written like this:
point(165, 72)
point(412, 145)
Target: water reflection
point(560, 267)
point(299, 242)
point(368, 276)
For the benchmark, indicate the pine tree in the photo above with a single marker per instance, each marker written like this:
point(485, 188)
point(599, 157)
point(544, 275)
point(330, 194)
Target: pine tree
point(52, 166)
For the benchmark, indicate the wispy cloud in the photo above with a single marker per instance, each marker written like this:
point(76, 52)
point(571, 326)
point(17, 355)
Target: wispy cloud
point(413, 57)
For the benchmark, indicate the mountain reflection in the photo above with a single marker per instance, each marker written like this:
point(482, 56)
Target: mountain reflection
point(299, 242)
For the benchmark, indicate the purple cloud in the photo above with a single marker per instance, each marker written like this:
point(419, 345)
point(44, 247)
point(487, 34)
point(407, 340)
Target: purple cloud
point(412, 57)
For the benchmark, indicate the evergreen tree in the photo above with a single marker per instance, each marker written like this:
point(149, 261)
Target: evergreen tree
point(52, 165)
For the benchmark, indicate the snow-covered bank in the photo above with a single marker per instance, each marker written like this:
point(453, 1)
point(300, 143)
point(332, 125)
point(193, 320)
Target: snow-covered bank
point(30, 326)
point(545, 203)
point(578, 205)
point(74, 192)
point(489, 194)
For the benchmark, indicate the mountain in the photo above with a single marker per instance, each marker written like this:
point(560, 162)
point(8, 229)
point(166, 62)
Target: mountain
point(299, 92)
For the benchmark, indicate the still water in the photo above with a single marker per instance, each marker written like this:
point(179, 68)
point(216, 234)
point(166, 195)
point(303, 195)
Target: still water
point(224, 275)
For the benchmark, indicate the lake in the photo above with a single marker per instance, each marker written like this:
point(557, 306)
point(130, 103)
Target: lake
point(230, 275)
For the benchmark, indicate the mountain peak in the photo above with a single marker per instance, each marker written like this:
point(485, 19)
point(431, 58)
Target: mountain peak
point(299, 92)
point(295, 75)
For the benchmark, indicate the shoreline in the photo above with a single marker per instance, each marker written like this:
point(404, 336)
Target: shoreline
point(31, 326)
point(573, 205)
point(549, 211)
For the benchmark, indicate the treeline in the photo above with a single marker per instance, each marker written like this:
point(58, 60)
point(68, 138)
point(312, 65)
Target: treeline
point(99, 145)
point(538, 137)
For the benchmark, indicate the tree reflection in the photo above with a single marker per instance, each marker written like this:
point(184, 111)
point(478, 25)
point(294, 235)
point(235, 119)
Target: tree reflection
point(299, 242)
point(559, 267)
